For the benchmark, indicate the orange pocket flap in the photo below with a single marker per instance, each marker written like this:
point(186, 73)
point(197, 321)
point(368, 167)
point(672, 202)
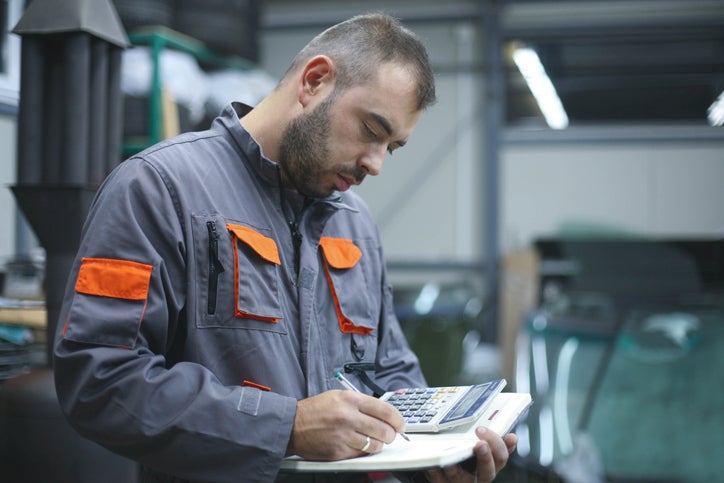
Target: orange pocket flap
point(107, 277)
point(263, 245)
point(340, 252)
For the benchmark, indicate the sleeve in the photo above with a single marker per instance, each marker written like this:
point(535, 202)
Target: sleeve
point(397, 366)
point(124, 302)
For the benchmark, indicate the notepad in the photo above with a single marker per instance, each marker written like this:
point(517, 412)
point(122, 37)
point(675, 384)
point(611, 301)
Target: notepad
point(426, 450)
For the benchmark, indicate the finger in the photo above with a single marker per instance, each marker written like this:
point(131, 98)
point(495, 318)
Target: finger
point(499, 450)
point(366, 445)
point(383, 411)
point(381, 420)
point(486, 468)
point(511, 441)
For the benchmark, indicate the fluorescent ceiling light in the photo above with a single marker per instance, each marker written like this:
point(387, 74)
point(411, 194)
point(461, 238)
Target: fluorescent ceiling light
point(715, 113)
point(541, 87)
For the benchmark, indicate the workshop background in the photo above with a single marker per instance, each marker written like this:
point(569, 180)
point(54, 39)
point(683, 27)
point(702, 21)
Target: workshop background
point(555, 219)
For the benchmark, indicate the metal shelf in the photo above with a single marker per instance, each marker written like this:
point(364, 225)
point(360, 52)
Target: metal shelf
point(159, 38)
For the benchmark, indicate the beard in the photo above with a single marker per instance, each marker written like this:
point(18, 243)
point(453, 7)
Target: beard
point(304, 153)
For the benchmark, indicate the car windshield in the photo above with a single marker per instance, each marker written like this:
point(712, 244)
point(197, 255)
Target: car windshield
point(632, 396)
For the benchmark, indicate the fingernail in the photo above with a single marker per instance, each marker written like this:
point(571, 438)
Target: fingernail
point(484, 449)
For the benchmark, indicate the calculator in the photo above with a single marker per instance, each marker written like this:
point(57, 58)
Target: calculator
point(432, 409)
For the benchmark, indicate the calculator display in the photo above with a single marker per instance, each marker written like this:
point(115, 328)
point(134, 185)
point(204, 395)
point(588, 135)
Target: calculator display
point(466, 403)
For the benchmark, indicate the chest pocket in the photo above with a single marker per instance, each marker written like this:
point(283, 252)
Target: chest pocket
point(239, 279)
point(348, 285)
point(256, 262)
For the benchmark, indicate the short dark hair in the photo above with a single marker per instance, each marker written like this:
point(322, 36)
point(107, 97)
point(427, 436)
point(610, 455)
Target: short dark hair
point(358, 45)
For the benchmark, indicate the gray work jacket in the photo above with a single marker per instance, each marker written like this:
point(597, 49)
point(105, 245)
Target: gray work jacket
point(191, 324)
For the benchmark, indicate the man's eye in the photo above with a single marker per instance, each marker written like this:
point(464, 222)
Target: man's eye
point(370, 133)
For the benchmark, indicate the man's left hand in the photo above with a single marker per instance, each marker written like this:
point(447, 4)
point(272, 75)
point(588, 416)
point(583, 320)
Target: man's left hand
point(491, 454)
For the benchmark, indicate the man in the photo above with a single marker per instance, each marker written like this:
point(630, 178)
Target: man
point(223, 278)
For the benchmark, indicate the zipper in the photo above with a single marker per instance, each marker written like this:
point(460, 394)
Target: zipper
point(292, 221)
point(297, 241)
point(215, 267)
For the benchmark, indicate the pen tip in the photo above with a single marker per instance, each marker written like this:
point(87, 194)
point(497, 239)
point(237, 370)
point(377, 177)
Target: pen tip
point(405, 436)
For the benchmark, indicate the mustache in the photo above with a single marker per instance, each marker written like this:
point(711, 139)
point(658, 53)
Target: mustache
point(358, 174)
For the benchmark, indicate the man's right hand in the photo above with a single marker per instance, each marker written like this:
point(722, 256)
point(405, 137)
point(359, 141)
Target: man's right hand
point(335, 425)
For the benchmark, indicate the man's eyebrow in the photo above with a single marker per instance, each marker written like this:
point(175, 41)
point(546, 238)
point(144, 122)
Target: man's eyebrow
point(382, 121)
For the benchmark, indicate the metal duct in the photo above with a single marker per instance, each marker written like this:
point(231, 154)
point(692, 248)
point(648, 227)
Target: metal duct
point(69, 125)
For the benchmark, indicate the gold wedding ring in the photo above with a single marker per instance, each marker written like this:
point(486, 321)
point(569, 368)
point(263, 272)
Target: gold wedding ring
point(367, 445)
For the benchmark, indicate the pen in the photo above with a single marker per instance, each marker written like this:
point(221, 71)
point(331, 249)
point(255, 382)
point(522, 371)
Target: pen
point(345, 382)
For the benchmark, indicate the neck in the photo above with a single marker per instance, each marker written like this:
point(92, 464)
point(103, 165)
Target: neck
point(267, 121)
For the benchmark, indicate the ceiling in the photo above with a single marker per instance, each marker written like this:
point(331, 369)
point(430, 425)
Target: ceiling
point(611, 61)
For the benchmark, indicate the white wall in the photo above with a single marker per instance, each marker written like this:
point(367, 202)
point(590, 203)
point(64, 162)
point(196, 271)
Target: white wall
point(668, 187)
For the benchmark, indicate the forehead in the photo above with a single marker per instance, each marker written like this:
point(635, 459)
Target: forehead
point(391, 93)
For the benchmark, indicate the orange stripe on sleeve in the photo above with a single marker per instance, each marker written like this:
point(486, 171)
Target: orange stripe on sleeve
point(107, 277)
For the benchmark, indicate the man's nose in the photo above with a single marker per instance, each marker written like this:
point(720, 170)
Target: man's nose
point(372, 162)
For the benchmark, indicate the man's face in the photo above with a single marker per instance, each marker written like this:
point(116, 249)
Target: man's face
point(304, 151)
point(335, 143)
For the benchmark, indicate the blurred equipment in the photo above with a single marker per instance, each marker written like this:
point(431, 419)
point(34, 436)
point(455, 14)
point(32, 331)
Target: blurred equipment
point(440, 323)
point(69, 124)
point(228, 27)
point(225, 26)
point(140, 13)
point(623, 359)
point(69, 138)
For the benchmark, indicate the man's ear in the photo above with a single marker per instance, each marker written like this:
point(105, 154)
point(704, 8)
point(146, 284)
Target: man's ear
point(318, 77)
